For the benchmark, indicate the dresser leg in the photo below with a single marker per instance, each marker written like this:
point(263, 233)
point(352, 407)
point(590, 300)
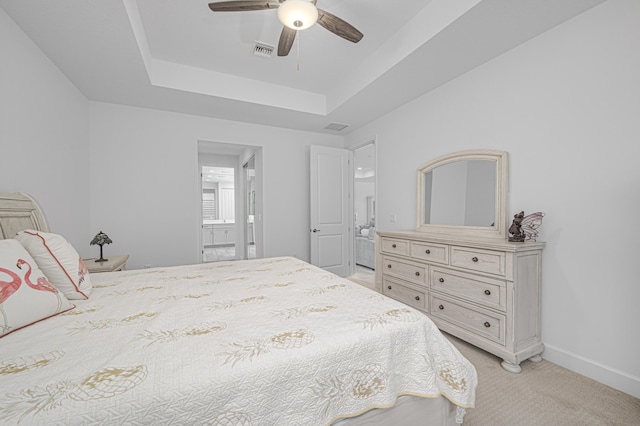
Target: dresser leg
point(536, 358)
point(511, 368)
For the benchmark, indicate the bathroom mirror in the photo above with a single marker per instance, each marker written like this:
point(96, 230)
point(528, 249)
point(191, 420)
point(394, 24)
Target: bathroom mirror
point(464, 193)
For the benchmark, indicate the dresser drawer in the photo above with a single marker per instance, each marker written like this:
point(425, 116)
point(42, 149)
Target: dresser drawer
point(407, 271)
point(477, 320)
point(491, 261)
point(410, 296)
point(484, 291)
point(394, 246)
point(432, 252)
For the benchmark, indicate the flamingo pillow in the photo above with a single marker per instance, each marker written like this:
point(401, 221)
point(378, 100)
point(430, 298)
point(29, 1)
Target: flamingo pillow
point(59, 261)
point(26, 296)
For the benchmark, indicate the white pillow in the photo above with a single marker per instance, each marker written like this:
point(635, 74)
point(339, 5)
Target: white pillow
point(26, 296)
point(59, 261)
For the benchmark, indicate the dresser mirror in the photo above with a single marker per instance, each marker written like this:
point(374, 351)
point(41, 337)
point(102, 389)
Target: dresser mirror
point(464, 193)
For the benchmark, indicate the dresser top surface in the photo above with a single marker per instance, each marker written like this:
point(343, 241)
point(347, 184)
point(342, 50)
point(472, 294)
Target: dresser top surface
point(490, 243)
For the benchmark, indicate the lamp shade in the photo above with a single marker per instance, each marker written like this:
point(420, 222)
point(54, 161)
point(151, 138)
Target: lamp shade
point(298, 14)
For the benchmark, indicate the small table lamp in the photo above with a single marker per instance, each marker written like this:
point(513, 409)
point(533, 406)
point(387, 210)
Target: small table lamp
point(101, 239)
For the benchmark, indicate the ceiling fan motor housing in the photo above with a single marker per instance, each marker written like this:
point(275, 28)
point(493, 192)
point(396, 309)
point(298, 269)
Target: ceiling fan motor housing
point(297, 14)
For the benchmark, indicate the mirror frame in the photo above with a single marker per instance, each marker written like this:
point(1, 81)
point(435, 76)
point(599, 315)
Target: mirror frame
point(499, 230)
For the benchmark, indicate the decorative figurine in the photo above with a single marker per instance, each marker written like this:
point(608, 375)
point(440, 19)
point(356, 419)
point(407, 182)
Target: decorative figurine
point(517, 235)
point(525, 227)
point(101, 239)
point(530, 224)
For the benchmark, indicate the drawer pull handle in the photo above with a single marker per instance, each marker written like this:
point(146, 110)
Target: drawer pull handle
point(441, 280)
point(475, 259)
point(389, 287)
point(487, 292)
point(440, 307)
point(417, 297)
point(417, 274)
point(389, 266)
point(486, 324)
point(427, 251)
point(393, 245)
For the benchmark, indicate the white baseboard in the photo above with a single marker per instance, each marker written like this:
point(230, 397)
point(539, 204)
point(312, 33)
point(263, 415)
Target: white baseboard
point(617, 379)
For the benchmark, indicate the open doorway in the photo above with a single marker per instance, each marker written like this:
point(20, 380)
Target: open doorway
point(231, 226)
point(218, 214)
point(364, 211)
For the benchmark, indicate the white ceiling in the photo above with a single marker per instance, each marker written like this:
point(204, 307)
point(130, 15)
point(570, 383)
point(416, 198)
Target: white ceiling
point(177, 55)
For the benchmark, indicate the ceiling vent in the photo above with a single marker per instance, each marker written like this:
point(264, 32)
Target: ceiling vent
point(263, 49)
point(336, 126)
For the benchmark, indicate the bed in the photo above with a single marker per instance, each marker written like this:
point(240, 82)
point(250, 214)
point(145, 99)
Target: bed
point(272, 341)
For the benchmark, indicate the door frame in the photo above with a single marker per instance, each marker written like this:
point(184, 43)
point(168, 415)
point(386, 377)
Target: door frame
point(247, 201)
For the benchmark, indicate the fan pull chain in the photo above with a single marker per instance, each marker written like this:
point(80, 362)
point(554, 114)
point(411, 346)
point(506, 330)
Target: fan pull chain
point(298, 51)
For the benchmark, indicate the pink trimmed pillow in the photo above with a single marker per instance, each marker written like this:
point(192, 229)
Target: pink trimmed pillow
point(59, 261)
point(26, 296)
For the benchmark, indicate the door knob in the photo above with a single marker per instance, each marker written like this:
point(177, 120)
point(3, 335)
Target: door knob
point(315, 230)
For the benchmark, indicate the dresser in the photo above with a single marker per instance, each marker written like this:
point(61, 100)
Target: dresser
point(485, 291)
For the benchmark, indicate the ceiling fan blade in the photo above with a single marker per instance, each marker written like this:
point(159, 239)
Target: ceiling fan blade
point(339, 27)
point(243, 5)
point(286, 41)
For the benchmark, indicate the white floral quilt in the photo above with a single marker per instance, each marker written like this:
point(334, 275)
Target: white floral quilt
point(263, 342)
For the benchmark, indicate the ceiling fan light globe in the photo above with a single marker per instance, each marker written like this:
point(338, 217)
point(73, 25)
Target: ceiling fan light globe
point(297, 14)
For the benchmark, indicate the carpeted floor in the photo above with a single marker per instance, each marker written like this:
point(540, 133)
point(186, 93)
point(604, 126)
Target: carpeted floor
point(542, 394)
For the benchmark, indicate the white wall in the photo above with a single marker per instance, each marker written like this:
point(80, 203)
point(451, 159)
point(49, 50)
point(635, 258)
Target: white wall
point(44, 134)
point(144, 182)
point(566, 105)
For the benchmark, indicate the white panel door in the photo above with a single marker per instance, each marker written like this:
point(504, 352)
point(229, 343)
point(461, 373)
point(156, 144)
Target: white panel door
point(330, 209)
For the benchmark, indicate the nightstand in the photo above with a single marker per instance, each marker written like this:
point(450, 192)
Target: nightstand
point(114, 263)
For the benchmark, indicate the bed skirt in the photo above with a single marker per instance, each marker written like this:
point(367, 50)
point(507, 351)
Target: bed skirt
point(410, 411)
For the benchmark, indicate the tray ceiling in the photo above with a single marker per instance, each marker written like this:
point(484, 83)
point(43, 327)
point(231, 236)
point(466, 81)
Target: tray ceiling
point(179, 56)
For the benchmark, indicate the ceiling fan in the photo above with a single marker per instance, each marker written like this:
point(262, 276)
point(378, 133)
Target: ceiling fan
point(295, 15)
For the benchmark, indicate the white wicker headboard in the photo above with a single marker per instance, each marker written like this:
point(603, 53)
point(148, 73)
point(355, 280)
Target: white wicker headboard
point(19, 211)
